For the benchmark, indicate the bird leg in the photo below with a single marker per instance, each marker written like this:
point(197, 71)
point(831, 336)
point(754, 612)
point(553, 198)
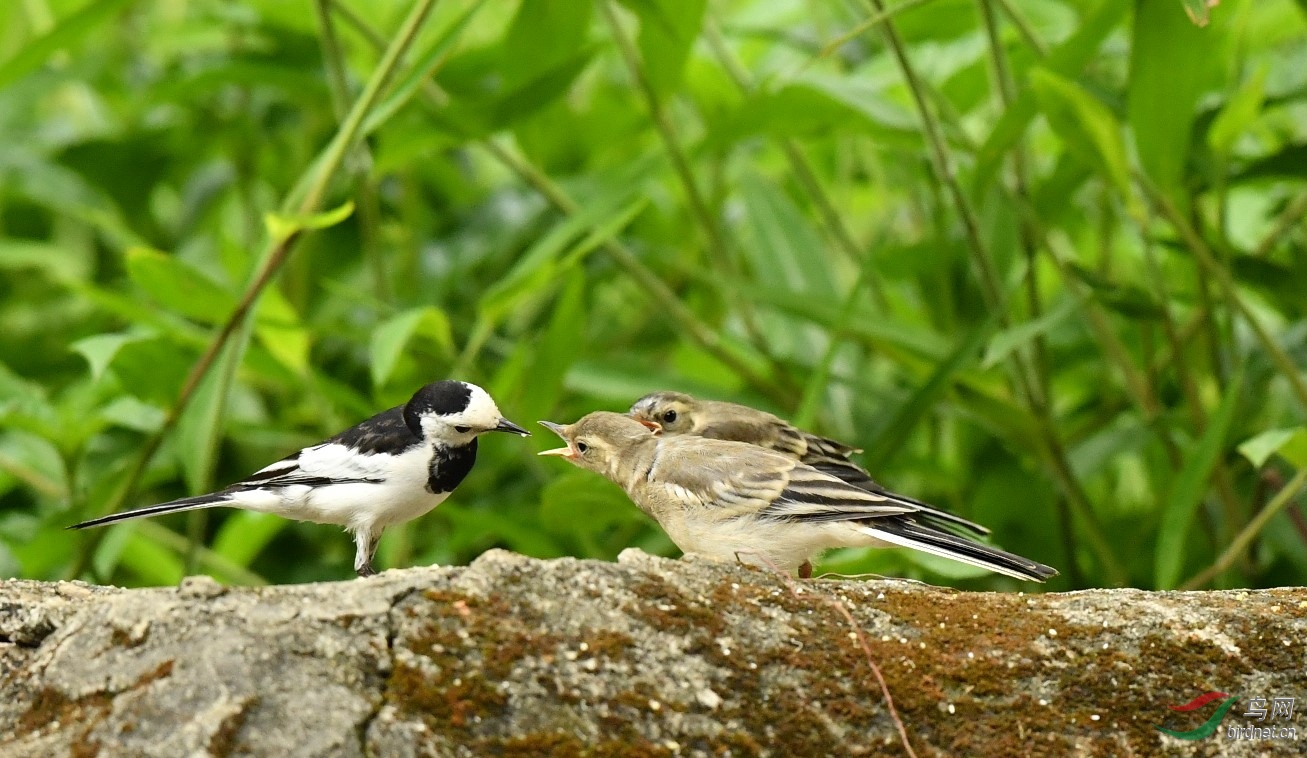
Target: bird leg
point(365, 542)
point(805, 570)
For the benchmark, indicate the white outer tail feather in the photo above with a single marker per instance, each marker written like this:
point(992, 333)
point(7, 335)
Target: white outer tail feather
point(928, 548)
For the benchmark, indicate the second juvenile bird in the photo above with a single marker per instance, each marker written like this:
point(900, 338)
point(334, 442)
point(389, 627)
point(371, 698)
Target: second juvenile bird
point(674, 413)
point(735, 501)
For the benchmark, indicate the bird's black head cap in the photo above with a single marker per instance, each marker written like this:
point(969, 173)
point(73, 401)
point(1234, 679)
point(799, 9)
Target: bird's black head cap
point(442, 398)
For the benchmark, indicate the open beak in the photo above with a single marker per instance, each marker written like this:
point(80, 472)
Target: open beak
point(505, 425)
point(563, 452)
point(653, 426)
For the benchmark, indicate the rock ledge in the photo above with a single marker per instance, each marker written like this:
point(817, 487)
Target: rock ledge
point(645, 656)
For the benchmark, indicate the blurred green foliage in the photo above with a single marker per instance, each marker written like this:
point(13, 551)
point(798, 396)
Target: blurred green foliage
point(1045, 261)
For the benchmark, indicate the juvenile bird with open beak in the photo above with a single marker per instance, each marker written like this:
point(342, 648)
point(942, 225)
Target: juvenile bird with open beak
point(391, 468)
point(730, 500)
point(673, 413)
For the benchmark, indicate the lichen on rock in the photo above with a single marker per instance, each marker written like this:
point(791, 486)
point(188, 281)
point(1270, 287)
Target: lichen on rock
point(646, 656)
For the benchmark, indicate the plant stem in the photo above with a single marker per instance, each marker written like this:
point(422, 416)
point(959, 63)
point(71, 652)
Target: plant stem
point(1023, 26)
point(1226, 284)
point(721, 254)
point(1235, 550)
point(317, 177)
point(1288, 220)
point(1051, 445)
point(867, 24)
point(698, 206)
point(702, 334)
point(365, 200)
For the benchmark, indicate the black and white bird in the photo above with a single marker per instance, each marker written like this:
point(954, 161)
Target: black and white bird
point(392, 468)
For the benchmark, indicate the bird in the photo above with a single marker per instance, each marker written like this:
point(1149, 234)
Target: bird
point(727, 500)
point(391, 468)
point(669, 412)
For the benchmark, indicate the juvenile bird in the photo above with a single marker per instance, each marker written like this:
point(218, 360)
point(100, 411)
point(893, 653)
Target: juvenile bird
point(731, 500)
point(391, 468)
point(677, 413)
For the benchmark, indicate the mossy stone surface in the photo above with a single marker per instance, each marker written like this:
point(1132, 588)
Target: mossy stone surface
point(646, 656)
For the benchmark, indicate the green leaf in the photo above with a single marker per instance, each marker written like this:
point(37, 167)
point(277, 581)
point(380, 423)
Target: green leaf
point(420, 72)
point(179, 287)
point(863, 324)
point(1088, 128)
point(537, 92)
point(154, 564)
point(551, 255)
point(1188, 488)
point(130, 413)
point(816, 106)
point(100, 350)
point(391, 337)
point(667, 32)
point(1239, 113)
point(580, 505)
point(903, 419)
point(278, 329)
point(557, 349)
point(486, 109)
point(66, 33)
point(26, 405)
point(152, 369)
point(786, 250)
point(281, 225)
point(201, 425)
point(541, 36)
point(1008, 340)
point(1290, 443)
point(245, 534)
point(62, 263)
point(1169, 63)
point(1126, 299)
point(1068, 59)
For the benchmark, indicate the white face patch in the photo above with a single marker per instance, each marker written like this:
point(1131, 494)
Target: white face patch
point(480, 415)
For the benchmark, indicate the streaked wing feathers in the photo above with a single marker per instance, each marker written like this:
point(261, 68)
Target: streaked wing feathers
point(713, 473)
point(855, 475)
point(812, 495)
point(824, 447)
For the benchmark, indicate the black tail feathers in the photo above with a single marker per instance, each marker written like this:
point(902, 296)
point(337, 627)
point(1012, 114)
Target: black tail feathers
point(173, 506)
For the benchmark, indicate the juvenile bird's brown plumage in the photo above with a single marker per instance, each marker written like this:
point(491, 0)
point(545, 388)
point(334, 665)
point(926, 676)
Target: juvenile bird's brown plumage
point(674, 413)
point(679, 413)
point(731, 500)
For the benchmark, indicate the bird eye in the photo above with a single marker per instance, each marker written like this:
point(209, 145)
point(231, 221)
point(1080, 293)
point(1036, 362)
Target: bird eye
point(581, 447)
point(669, 416)
point(462, 429)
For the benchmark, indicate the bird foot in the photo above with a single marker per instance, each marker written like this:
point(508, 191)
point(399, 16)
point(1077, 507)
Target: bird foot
point(363, 571)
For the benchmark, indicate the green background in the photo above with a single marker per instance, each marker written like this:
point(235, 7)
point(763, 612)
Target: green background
point(1044, 261)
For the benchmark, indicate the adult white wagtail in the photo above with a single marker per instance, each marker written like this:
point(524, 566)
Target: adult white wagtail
point(678, 413)
point(732, 500)
point(394, 467)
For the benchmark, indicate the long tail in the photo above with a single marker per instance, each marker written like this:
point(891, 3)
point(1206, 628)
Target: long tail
point(903, 532)
point(173, 506)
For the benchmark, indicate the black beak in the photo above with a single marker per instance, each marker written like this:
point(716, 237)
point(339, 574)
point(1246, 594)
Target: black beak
point(505, 425)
